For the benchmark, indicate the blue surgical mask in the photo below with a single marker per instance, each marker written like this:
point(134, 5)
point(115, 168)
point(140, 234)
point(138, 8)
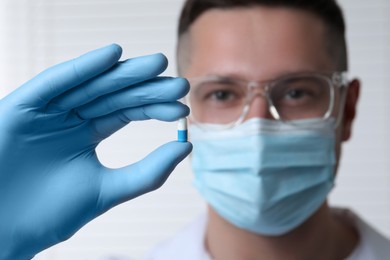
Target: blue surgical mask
point(265, 176)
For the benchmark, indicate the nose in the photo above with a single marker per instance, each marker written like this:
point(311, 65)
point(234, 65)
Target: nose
point(259, 108)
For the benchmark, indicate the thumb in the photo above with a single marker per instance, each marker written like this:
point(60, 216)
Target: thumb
point(120, 185)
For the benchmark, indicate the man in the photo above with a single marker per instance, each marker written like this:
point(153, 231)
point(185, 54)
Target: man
point(270, 107)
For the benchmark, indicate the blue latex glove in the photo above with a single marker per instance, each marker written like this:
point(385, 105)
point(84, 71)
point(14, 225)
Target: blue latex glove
point(51, 182)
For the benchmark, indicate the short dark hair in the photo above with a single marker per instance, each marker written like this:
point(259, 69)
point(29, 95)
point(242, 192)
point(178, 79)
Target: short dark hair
point(327, 10)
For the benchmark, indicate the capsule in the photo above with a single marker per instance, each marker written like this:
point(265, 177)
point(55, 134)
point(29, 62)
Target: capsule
point(182, 130)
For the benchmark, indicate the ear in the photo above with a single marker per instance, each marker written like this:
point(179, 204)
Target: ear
point(351, 99)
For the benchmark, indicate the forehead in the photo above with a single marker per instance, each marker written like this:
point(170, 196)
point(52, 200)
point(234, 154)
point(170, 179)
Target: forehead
point(257, 42)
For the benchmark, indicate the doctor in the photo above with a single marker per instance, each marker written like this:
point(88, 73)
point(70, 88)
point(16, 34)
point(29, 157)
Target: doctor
point(271, 104)
point(51, 182)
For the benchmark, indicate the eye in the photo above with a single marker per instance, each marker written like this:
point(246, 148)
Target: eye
point(297, 93)
point(218, 94)
point(301, 97)
point(297, 90)
point(222, 92)
point(292, 94)
point(222, 95)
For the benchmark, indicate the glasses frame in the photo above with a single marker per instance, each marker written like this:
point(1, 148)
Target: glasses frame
point(336, 80)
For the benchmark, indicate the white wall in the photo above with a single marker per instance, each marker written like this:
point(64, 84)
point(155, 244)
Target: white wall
point(37, 34)
point(364, 177)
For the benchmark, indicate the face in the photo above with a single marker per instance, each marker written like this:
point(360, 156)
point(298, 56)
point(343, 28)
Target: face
point(260, 44)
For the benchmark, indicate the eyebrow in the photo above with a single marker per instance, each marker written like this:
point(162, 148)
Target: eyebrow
point(234, 75)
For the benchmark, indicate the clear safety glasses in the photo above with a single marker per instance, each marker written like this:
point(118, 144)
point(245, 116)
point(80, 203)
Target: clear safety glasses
point(226, 101)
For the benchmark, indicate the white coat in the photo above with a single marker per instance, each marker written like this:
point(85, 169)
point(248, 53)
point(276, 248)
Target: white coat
point(189, 243)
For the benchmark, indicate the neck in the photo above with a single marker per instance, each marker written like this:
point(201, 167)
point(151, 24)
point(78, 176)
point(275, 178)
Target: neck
point(322, 236)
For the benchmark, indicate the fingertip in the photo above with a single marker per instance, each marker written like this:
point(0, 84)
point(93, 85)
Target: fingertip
point(183, 148)
point(188, 146)
point(148, 66)
point(162, 59)
point(184, 84)
point(173, 153)
point(151, 173)
point(117, 49)
point(159, 61)
point(166, 111)
point(111, 52)
point(186, 110)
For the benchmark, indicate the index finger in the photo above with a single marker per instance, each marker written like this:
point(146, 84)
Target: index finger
point(65, 76)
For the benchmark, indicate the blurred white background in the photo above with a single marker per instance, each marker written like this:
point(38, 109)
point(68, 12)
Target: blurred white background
point(37, 34)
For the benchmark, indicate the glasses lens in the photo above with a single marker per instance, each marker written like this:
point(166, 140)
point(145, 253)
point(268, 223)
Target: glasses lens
point(301, 97)
point(217, 101)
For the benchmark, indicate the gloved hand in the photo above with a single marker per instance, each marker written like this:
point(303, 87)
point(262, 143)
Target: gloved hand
point(51, 182)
